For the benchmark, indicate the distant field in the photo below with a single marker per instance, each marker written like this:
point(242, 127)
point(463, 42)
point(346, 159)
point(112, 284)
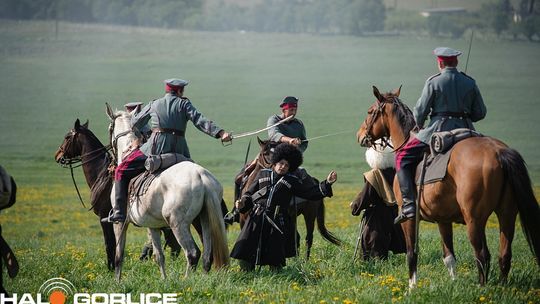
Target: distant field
point(237, 79)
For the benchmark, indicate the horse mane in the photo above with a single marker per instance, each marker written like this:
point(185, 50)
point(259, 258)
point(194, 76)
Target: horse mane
point(402, 112)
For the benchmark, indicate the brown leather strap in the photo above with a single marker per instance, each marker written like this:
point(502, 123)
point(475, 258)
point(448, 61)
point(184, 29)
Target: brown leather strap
point(168, 131)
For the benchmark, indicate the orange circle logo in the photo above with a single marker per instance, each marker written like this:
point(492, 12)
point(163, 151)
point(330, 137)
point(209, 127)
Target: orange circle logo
point(57, 297)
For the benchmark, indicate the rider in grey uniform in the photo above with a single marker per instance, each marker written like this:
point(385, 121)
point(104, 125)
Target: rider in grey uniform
point(452, 100)
point(293, 131)
point(168, 117)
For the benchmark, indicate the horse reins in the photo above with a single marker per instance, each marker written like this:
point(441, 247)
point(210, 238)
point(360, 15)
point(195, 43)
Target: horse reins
point(386, 133)
point(79, 160)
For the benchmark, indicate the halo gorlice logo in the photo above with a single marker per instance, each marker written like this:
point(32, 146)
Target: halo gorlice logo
point(57, 289)
point(62, 291)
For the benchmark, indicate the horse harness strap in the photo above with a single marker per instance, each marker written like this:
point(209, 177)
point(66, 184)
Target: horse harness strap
point(175, 132)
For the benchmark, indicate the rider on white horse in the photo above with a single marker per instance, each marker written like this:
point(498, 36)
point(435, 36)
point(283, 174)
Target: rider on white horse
point(168, 117)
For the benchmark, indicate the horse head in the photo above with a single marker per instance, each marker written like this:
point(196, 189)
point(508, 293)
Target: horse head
point(264, 159)
point(381, 119)
point(71, 147)
point(120, 133)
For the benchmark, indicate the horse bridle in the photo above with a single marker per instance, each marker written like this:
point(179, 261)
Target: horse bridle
point(68, 162)
point(386, 133)
point(114, 139)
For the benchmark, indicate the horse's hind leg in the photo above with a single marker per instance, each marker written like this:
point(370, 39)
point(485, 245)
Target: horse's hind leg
point(183, 235)
point(120, 234)
point(310, 227)
point(155, 234)
point(477, 236)
point(507, 220)
point(445, 229)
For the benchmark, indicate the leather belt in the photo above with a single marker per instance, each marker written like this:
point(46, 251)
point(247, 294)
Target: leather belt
point(460, 115)
point(168, 131)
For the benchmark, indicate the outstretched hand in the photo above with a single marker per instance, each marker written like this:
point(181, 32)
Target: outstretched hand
point(332, 177)
point(225, 136)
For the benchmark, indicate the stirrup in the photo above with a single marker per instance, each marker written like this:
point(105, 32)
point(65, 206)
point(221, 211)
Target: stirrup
point(407, 212)
point(112, 219)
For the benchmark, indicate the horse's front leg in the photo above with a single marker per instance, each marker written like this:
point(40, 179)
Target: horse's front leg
point(120, 230)
point(412, 256)
point(445, 229)
point(110, 242)
point(155, 234)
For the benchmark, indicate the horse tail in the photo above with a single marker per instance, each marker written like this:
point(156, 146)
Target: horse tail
point(327, 235)
point(515, 172)
point(218, 234)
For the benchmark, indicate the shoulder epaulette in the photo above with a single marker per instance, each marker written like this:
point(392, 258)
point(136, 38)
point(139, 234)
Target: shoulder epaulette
point(438, 74)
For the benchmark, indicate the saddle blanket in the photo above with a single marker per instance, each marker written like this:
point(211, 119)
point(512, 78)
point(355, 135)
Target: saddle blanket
point(442, 144)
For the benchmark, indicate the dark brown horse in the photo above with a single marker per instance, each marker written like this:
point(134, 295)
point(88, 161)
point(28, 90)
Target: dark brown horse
point(82, 148)
point(311, 210)
point(484, 176)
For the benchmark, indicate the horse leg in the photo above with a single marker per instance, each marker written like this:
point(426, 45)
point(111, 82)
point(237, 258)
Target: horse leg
point(155, 235)
point(412, 256)
point(309, 218)
point(205, 234)
point(120, 235)
point(445, 229)
point(507, 220)
point(477, 237)
point(182, 232)
point(110, 243)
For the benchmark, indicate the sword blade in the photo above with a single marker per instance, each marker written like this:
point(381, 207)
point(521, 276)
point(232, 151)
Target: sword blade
point(326, 135)
point(261, 130)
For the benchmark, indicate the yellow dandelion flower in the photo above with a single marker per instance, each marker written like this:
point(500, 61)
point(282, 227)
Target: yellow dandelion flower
point(482, 299)
point(347, 301)
point(322, 302)
point(335, 298)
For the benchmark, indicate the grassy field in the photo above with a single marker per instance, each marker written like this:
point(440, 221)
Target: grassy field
point(237, 79)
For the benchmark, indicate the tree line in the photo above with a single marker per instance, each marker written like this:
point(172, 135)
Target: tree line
point(346, 17)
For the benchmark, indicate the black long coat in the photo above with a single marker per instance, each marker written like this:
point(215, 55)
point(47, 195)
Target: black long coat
point(258, 231)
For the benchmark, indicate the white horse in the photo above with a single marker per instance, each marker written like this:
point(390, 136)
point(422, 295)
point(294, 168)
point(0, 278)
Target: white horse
point(176, 197)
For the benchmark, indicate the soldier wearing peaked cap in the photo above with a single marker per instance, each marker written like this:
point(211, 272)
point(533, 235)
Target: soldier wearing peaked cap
point(452, 100)
point(168, 117)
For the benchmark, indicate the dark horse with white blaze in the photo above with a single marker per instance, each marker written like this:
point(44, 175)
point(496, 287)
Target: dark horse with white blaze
point(483, 176)
point(311, 210)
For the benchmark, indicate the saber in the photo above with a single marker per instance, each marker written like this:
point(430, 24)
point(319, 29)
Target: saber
point(261, 130)
point(272, 222)
point(469, 52)
point(327, 135)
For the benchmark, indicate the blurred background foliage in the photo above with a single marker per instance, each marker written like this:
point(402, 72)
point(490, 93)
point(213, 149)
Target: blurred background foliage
point(500, 19)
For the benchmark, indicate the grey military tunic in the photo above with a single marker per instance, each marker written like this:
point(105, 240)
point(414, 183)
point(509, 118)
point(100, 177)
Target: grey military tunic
point(171, 112)
point(453, 101)
point(293, 128)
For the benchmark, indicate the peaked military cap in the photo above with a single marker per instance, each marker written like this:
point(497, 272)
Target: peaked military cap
point(446, 52)
point(133, 104)
point(289, 100)
point(175, 82)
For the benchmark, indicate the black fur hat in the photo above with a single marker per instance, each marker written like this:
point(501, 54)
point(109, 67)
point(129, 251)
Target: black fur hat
point(289, 153)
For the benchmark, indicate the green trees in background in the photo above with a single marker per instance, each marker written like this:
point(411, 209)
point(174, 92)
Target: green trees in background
point(518, 18)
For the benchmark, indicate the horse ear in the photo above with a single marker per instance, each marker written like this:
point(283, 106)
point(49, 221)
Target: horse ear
point(261, 143)
point(77, 125)
point(85, 124)
point(109, 111)
point(397, 91)
point(377, 94)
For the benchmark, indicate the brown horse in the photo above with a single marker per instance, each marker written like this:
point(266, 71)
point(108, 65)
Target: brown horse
point(484, 176)
point(82, 148)
point(311, 210)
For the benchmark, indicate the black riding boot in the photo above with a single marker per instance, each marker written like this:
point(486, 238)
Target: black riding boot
point(119, 208)
point(407, 186)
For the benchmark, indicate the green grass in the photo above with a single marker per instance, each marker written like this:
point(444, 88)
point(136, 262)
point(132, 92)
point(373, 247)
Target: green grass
point(237, 80)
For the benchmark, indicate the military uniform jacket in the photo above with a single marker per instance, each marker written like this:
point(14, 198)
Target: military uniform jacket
point(171, 112)
point(293, 128)
point(270, 196)
point(453, 101)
